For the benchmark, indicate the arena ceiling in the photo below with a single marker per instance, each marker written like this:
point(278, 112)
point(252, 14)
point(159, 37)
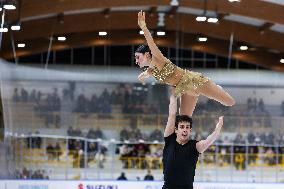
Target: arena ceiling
point(259, 24)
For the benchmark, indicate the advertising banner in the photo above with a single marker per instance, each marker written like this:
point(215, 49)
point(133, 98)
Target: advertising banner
point(24, 184)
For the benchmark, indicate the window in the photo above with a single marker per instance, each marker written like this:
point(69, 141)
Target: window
point(82, 56)
point(120, 55)
point(63, 56)
point(99, 55)
point(36, 58)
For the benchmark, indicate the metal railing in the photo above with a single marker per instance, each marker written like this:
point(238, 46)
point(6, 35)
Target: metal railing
point(221, 162)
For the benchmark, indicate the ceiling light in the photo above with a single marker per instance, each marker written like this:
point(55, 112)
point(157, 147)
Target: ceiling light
point(174, 3)
point(141, 32)
point(21, 45)
point(9, 6)
point(243, 48)
point(61, 38)
point(16, 27)
point(282, 60)
point(102, 33)
point(213, 20)
point(201, 18)
point(202, 39)
point(3, 30)
point(234, 1)
point(161, 33)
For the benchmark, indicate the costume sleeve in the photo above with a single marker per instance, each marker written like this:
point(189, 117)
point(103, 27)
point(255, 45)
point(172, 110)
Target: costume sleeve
point(193, 144)
point(170, 138)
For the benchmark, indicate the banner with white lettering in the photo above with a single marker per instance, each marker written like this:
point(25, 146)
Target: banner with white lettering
point(45, 184)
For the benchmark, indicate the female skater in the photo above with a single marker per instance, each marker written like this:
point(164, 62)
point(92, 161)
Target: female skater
point(188, 83)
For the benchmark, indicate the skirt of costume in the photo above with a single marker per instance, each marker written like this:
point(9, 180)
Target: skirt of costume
point(189, 82)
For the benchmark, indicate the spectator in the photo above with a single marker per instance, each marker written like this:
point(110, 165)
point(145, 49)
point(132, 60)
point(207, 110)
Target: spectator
point(249, 104)
point(149, 176)
point(24, 95)
point(38, 96)
point(93, 105)
point(81, 104)
point(124, 134)
point(113, 97)
point(92, 150)
point(78, 132)
point(50, 151)
point(122, 176)
point(270, 156)
point(37, 140)
point(156, 135)
point(57, 151)
point(100, 156)
point(91, 134)
point(98, 133)
point(33, 96)
point(261, 105)
point(16, 96)
point(105, 95)
point(251, 137)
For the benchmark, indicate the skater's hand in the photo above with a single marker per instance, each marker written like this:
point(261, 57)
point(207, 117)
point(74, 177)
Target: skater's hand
point(141, 19)
point(219, 124)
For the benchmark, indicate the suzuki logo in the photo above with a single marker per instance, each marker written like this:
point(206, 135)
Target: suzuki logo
point(80, 186)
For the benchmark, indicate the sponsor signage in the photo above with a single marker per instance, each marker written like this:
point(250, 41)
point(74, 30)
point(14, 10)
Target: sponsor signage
point(48, 184)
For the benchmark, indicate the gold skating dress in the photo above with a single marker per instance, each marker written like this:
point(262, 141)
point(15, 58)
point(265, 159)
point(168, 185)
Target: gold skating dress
point(188, 83)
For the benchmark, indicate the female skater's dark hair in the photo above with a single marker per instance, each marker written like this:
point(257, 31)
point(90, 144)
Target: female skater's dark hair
point(143, 49)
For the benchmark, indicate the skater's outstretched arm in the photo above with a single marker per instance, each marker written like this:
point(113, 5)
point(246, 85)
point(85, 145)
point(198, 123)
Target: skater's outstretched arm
point(202, 145)
point(170, 128)
point(155, 51)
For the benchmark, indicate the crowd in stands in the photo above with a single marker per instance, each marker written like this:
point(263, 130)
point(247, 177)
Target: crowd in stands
point(254, 148)
point(140, 155)
point(134, 134)
point(54, 151)
point(240, 151)
point(124, 94)
point(131, 98)
point(134, 99)
point(135, 152)
point(97, 104)
point(148, 177)
point(95, 151)
point(24, 96)
point(209, 106)
point(91, 134)
point(256, 107)
point(30, 174)
point(33, 141)
point(135, 102)
point(261, 148)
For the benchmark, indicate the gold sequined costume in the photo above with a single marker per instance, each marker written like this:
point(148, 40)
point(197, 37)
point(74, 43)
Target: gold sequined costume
point(188, 83)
